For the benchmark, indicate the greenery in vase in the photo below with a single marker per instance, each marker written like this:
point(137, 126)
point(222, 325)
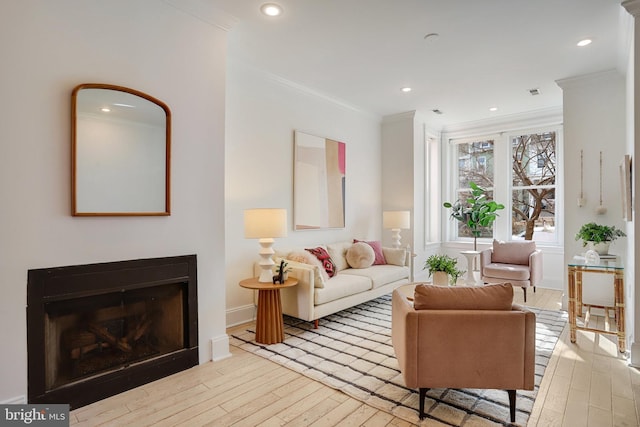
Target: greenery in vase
point(444, 263)
point(477, 212)
point(284, 266)
point(596, 233)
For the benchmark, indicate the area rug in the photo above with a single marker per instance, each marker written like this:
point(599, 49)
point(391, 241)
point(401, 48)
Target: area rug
point(351, 351)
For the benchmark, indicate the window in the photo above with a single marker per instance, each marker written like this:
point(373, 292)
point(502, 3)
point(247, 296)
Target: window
point(475, 164)
point(519, 170)
point(533, 187)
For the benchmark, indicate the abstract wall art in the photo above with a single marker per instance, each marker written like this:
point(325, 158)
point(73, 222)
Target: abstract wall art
point(318, 182)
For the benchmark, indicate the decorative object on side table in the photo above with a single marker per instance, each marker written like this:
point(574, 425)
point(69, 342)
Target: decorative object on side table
point(598, 237)
point(446, 266)
point(265, 224)
point(396, 220)
point(282, 272)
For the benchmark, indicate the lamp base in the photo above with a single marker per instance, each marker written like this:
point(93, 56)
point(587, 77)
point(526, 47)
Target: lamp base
point(266, 262)
point(395, 238)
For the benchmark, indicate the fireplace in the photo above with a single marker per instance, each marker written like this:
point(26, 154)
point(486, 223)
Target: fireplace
point(97, 330)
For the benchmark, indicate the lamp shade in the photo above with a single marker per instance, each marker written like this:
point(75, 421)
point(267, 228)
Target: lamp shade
point(265, 223)
point(396, 219)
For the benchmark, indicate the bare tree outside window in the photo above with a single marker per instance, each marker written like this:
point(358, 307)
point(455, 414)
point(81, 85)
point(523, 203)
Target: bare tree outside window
point(534, 186)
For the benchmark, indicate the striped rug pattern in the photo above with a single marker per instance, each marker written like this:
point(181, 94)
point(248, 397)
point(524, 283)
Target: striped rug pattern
point(352, 351)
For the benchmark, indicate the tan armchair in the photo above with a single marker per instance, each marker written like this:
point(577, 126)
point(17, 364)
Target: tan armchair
point(463, 337)
point(518, 263)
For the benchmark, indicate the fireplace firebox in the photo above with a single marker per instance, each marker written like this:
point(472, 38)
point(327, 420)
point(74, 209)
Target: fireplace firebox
point(97, 330)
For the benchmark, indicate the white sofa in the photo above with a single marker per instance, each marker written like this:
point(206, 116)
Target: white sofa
point(316, 296)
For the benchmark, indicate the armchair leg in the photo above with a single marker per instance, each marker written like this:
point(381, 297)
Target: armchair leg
point(316, 323)
point(534, 289)
point(512, 404)
point(525, 294)
point(423, 395)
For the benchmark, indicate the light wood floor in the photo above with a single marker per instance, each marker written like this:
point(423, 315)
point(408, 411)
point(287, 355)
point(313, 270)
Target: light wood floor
point(585, 384)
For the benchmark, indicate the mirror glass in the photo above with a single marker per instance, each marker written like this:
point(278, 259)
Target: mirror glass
point(120, 151)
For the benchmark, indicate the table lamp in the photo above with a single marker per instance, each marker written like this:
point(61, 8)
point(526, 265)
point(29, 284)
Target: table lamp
point(396, 220)
point(264, 225)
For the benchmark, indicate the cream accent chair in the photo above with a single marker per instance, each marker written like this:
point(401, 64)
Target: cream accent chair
point(518, 263)
point(463, 337)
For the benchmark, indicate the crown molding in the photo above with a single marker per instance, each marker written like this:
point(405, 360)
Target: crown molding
point(526, 120)
point(202, 10)
point(589, 79)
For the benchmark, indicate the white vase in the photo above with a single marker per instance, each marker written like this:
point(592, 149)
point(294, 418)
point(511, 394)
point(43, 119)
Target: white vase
point(601, 248)
point(440, 278)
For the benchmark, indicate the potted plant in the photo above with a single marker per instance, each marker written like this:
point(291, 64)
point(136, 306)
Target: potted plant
point(283, 269)
point(441, 266)
point(477, 212)
point(598, 237)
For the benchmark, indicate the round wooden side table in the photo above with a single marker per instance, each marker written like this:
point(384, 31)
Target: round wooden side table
point(269, 323)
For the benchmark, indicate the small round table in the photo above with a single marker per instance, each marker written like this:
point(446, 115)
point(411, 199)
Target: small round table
point(269, 323)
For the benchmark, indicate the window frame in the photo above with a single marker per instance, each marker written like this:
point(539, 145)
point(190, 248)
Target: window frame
point(503, 179)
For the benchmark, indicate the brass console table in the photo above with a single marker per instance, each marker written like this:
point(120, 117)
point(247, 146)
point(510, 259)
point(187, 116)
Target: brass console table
point(605, 266)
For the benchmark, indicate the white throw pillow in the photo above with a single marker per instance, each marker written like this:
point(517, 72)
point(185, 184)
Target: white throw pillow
point(360, 255)
point(395, 256)
point(320, 275)
point(338, 253)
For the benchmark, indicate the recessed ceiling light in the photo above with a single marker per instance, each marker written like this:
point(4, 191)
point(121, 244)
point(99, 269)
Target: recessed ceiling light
point(105, 109)
point(271, 9)
point(493, 108)
point(584, 42)
point(406, 89)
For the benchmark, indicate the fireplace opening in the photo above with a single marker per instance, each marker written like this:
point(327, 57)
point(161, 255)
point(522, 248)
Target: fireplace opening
point(100, 329)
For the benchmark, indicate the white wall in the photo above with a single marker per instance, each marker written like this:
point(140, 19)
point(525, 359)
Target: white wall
point(594, 121)
point(262, 113)
point(49, 47)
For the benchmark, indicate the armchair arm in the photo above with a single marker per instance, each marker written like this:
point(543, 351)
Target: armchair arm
point(404, 334)
point(535, 267)
point(297, 301)
point(485, 259)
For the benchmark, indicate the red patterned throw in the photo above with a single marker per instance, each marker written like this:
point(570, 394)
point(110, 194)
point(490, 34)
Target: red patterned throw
point(325, 259)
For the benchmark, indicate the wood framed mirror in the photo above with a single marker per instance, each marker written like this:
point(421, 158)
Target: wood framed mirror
point(120, 152)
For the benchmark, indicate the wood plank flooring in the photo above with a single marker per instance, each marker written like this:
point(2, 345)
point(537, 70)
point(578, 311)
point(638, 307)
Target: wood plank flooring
point(586, 384)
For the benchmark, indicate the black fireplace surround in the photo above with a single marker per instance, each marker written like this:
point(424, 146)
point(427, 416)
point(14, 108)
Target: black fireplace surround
point(97, 330)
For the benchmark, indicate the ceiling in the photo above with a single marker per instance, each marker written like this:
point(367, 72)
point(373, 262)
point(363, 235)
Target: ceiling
point(488, 53)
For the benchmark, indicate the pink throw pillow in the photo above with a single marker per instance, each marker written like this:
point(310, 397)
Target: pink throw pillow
point(325, 259)
point(377, 249)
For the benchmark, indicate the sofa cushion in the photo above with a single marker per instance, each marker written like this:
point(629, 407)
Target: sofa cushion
point(338, 253)
point(341, 286)
point(320, 275)
point(322, 254)
point(395, 256)
point(507, 271)
point(512, 252)
point(377, 248)
point(379, 275)
point(489, 297)
point(360, 255)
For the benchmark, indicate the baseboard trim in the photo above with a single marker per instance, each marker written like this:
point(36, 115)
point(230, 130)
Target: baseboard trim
point(239, 315)
point(220, 347)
